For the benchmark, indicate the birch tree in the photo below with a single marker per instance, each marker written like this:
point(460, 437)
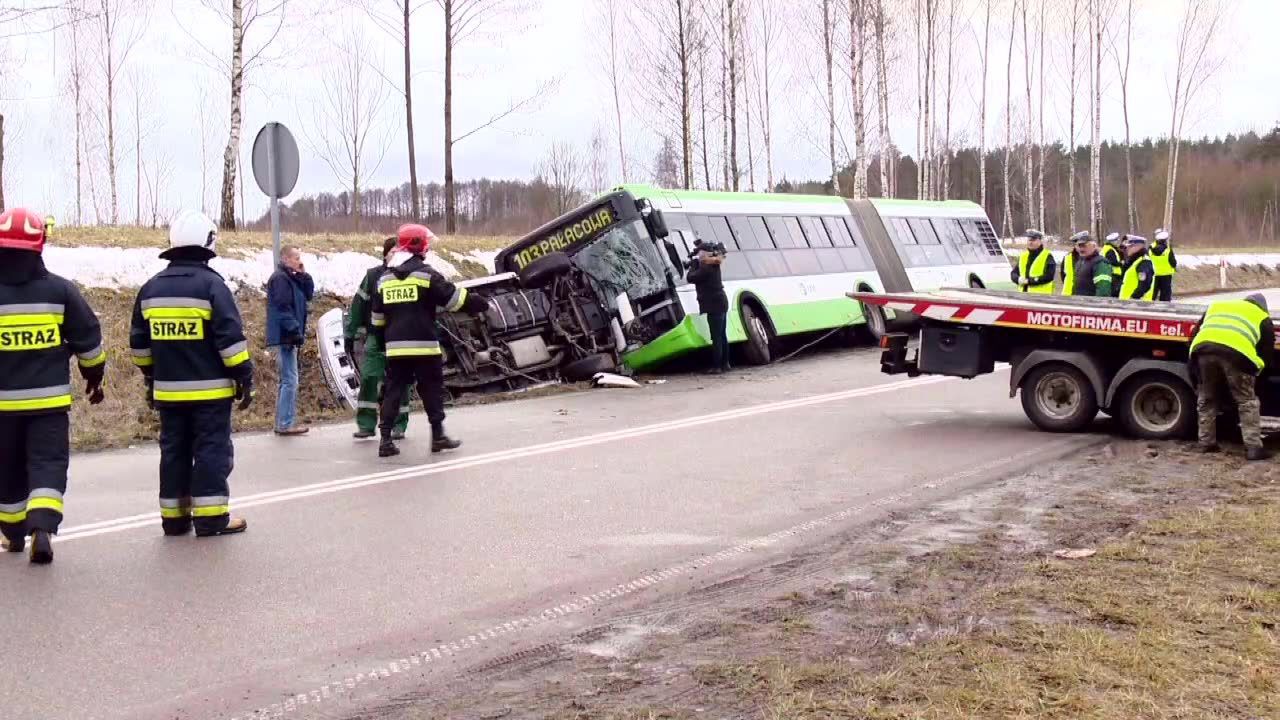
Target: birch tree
point(1122, 68)
point(857, 63)
point(1028, 157)
point(1097, 27)
point(670, 65)
point(76, 81)
point(888, 158)
point(731, 12)
point(945, 160)
point(119, 27)
point(829, 58)
point(564, 170)
point(614, 61)
point(1196, 63)
point(256, 26)
point(1040, 171)
point(1073, 86)
point(1008, 120)
point(982, 111)
point(770, 30)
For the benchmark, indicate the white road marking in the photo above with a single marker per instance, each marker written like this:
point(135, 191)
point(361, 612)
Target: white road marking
point(295, 701)
point(106, 527)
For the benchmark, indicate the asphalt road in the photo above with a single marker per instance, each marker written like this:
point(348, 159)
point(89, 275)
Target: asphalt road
point(362, 582)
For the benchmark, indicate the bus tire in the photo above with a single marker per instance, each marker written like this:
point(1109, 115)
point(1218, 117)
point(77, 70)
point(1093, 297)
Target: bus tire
point(1156, 406)
point(757, 350)
point(584, 369)
point(542, 271)
point(875, 322)
point(1058, 398)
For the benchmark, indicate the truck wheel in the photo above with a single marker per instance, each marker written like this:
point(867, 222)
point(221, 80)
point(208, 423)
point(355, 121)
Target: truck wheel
point(757, 351)
point(584, 369)
point(542, 271)
point(1059, 398)
point(1156, 406)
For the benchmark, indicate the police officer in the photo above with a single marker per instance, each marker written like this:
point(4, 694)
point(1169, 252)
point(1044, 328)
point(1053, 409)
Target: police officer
point(1165, 263)
point(1084, 271)
point(1113, 253)
point(1139, 276)
point(43, 321)
point(188, 340)
point(373, 367)
point(403, 319)
point(1036, 266)
point(1234, 342)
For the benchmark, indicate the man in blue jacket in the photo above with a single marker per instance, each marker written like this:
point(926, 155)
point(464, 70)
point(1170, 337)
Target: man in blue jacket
point(288, 292)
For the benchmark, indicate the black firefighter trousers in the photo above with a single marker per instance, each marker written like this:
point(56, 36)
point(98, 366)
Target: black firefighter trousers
point(425, 372)
point(196, 458)
point(34, 454)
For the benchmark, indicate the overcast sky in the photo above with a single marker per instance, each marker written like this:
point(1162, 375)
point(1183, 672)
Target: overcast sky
point(557, 42)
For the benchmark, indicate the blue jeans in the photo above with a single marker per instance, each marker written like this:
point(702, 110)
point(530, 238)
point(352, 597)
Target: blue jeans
point(287, 401)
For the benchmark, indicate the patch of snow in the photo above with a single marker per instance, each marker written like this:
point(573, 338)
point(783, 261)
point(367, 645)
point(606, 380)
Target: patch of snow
point(336, 273)
point(1190, 261)
point(487, 258)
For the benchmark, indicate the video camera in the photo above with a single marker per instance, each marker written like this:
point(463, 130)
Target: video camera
point(711, 248)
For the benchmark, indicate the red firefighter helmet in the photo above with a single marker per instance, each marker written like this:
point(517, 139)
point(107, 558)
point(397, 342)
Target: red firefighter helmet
point(22, 229)
point(415, 239)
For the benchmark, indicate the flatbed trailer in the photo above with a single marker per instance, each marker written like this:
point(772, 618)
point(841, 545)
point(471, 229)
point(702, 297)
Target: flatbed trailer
point(1069, 357)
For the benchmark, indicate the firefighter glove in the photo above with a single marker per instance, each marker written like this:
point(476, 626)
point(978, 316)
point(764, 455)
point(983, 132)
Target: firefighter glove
point(244, 393)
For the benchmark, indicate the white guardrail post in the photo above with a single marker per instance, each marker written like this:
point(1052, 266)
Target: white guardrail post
point(1222, 272)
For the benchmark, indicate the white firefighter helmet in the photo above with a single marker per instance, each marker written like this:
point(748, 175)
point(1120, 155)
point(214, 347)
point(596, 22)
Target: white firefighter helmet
point(192, 230)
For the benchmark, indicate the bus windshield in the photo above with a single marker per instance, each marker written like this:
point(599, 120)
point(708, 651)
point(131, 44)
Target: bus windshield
point(623, 260)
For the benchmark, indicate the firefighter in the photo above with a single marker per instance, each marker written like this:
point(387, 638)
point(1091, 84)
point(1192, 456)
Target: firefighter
point(1036, 267)
point(43, 321)
point(403, 319)
point(1085, 273)
point(1233, 344)
point(1113, 253)
point(187, 339)
point(373, 367)
point(1139, 275)
point(1165, 263)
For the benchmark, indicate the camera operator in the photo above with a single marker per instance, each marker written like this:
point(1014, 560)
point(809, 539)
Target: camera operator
point(704, 273)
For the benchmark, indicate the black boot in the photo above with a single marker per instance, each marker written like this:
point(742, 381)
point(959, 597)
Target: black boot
point(387, 448)
point(41, 548)
point(13, 545)
point(440, 442)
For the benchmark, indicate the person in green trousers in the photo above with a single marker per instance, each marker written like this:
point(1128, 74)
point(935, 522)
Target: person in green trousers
point(373, 367)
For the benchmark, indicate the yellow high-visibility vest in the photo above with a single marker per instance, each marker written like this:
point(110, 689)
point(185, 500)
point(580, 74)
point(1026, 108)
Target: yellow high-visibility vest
point(1237, 324)
point(1037, 269)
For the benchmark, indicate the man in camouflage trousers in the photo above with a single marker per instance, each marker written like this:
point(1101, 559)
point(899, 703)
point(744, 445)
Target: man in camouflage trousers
point(1233, 344)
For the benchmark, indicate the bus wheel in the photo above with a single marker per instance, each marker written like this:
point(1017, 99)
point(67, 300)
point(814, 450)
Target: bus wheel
point(542, 271)
point(757, 350)
point(1157, 406)
point(976, 284)
point(1059, 398)
point(584, 369)
point(877, 324)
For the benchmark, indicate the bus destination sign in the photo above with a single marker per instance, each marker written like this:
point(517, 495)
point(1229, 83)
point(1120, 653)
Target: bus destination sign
point(575, 233)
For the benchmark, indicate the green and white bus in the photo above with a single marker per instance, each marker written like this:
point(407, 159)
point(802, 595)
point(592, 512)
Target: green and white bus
point(791, 260)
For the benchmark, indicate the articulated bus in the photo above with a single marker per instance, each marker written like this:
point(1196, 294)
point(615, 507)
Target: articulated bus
point(791, 260)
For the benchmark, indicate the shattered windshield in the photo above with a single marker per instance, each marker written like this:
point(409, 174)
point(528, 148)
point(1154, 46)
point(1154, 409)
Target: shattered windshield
point(623, 260)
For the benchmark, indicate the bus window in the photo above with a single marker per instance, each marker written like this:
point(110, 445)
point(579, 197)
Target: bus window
point(766, 263)
point(735, 267)
point(923, 231)
point(854, 232)
point(702, 229)
point(793, 224)
point(721, 233)
point(782, 233)
point(815, 233)
point(840, 236)
point(747, 239)
point(829, 259)
point(931, 247)
point(983, 234)
point(854, 259)
point(802, 262)
point(762, 232)
point(901, 232)
point(957, 243)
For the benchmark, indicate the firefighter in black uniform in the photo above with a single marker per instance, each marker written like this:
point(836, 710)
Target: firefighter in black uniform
point(189, 342)
point(404, 315)
point(43, 321)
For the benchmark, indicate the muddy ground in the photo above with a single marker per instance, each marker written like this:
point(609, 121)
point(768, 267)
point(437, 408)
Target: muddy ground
point(959, 610)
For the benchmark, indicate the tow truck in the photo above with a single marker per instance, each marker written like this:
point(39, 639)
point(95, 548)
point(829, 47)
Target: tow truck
point(1069, 357)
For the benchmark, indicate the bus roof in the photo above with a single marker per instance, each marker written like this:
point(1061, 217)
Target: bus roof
point(894, 207)
point(651, 192)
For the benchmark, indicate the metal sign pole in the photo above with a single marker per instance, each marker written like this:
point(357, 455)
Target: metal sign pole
point(274, 182)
